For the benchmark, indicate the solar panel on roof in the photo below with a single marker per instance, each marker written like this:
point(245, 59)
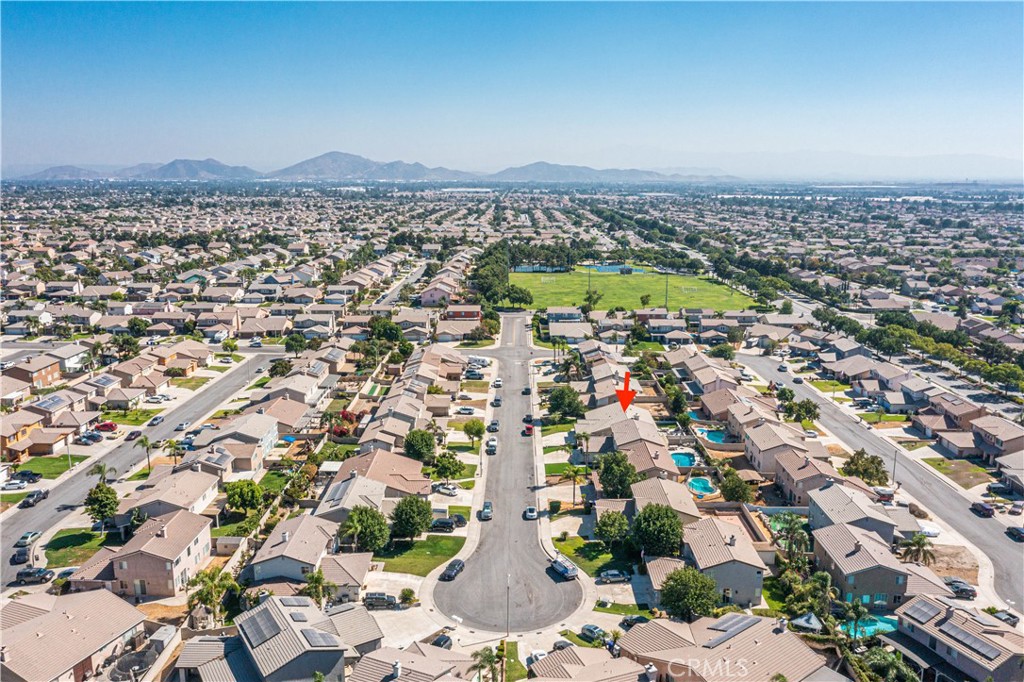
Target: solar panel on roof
point(972, 642)
point(735, 626)
point(319, 638)
point(295, 601)
point(922, 611)
point(298, 616)
point(260, 627)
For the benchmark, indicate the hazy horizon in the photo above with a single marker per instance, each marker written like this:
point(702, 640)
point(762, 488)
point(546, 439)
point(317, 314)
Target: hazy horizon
point(760, 91)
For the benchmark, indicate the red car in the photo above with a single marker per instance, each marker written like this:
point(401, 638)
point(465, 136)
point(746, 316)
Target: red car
point(107, 427)
point(529, 429)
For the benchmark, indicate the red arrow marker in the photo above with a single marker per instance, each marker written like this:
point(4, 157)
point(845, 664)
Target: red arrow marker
point(625, 395)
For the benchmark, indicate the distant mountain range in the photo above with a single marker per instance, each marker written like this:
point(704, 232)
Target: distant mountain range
point(339, 166)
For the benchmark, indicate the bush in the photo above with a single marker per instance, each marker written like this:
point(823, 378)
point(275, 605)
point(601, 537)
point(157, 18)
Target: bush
point(554, 506)
point(407, 596)
point(916, 511)
point(563, 536)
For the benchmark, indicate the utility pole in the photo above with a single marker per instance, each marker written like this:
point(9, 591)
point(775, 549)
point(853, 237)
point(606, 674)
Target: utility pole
point(895, 454)
point(508, 606)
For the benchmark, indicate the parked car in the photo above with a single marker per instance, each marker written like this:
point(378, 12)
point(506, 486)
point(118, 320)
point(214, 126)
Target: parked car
point(1017, 508)
point(1016, 533)
point(474, 374)
point(182, 426)
point(491, 449)
point(487, 512)
point(379, 600)
point(530, 514)
point(798, 380)
point(28, 476)
point(21, 556)
point(27, 539)
point(562, 644)
point(133, 435)
point(983, 509)
point(810, 433)
point(106, 427)
point(496, 402)
point(15, 485)
point(527, 391)
point(630, 621)
point(34, 575)
point(493, 426)
point(528, 430)
point(783, 367)
point(964, 591)
point(497, 383)
point(34, 498)
point(930, 530)
point(82, 440)
point(442, 641)
point(465, 410)
point(536, 655)
point(442, 526)
point(1005, 616)
point(256, 343)
point(448, 490)
point(156, 421)
point(591, 633)
point(455, 566)
point(613, 577)
point(459, 520)
point(528, 418)
point(492, 442)
point(93, 436)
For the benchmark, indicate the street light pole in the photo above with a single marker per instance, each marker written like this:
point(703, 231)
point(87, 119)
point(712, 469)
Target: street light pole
point(508, 606)
point(895, 454)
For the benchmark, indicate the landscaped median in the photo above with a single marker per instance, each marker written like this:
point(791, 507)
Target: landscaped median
point(419, 557)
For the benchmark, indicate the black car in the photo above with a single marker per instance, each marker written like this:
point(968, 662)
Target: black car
point(1006, 617)
point(528, 419)
point(630, 621)
point(34, 498)
point(963, 591)
point(983, 509)
point(28, 476)
point(527, 391)
point(1016, 532)
point(21, 556)
point(133, 435)
point(34, 575)
point(454, 568)
point(442, 526)
point(379, 600)
point(443, 641)
point(459, 520)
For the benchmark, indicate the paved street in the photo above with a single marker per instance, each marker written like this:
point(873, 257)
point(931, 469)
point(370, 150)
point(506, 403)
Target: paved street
point(509, 552)
point(72, 491)
point(391, 297)
point(940, 496)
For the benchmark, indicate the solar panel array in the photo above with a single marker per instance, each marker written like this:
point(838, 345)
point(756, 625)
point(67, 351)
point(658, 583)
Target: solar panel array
point(295, 601)
point(922, 611)
point(50, 402)
point(730, 625)
point(972, 642)
point(260, 627)
point(319, 638)
point(298, 616)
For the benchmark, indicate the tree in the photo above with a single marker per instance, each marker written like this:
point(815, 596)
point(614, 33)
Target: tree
point(687, 593)
point(790, 528)
point(174, 449)
point(565, 401)
point(101, 504)
point(734, 488)
point(367, 527)
point(280, 367)
point(244, 495)
point(407, 597)
point(420, 444)
point(104, 471)
point(317, 587)
point(576, 475)
point(806, 409)
point(645, 300)
point(448, 466)
point(722, 350)
point(295, 343)
point(611, 527)
point(854, 613)
point(519, 296)
point(918, 549)
point(889, 666)
point(475, 429)
point(209, 588)
point(229, 345)
point(485, 661)
point(658, 530)
point(411, 516)
point(144, 443)
point(137, 326)
point(126, 346)
point(787, 307)
point(869, 468)
point(617, 475)
point(785, 394)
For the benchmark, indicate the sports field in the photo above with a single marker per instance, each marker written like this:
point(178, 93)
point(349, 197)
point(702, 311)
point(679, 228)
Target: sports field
point(569, 288)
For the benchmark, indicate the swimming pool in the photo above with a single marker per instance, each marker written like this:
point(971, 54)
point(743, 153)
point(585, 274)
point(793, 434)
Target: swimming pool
point(713, 435)
point(695, 415)
point(613, 268)
point(872, 625)
point(684, 459)
point(702, 485)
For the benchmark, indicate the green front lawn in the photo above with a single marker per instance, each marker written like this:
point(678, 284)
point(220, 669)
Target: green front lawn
point(73, 546)
point(474, 386)
point(467, 485)
point(140, 475)
point(548, 449)
point(774, 594)
point(565, 427)
point(8, 500)
point(594, 557)
point(136, 417)
point(625, 609)
point(684, 291)
point(261, 382)
point(219, 368)
point(875, 417)
point(274, 481)
point(577, 640)
point(468, 471)
point(459, 509)
point(476, 344)
point(963, 472)
point(556, 468)
point(191, 383)
point(421, 557)
point(514, 668)
point(51, 466)
point(648, 345)
point(827, 385)
point(235, 357)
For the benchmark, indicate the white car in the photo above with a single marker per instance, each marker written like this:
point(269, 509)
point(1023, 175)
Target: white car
point(497, 383)
point(6, 364)
point(538, 655)
point(810, 433)
point(182, 426)
point(466, 409)
point(930, 530)
point(530, 514)
point(492, 442)
point(226, 360)
point(15, 485)
point(448, 490)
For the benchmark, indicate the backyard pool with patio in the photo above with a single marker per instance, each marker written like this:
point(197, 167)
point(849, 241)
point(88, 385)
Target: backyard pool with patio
point(695, 415)
point(701, 485)
point(684, 458)
point(872, 625)
point(713, 435)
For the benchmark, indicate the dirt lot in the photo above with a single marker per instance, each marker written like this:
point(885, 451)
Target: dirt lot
point(956, 561)
point(164, 613)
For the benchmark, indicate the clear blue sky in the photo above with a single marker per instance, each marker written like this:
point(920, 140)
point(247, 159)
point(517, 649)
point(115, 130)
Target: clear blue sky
point(483, 86)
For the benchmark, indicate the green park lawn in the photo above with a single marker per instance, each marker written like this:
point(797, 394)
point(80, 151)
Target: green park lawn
point(684, 291)
point(593, 557)
point(420, 557)
point(51, 466)
point(73, 546)
point(191, 383)
point(136, 417)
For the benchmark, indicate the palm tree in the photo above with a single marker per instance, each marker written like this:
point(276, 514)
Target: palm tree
point(174, 449)
point(791, 529)
point(485, 660)
point(210, 587)
point(889, 666)
point(575, 474)
point(317, 587)
point(823, 593)
point(103, 470)
point(352, 529)
point(615, 635)
point(854, 613)
point(144, 443)
point(919, 549)
point(584, 437)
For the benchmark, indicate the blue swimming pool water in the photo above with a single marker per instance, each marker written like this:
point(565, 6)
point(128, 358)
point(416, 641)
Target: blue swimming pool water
point(872, 625)
point(715, 436)
point(694, 415)
point(702, 485)
point(612, 268)
point(684, 459)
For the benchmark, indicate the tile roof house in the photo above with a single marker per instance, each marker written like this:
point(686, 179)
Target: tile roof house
point(401, 475)
point(295, 548)
point(669, 493)
point(416, 663)
point(722, 551)
point(835, 504)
